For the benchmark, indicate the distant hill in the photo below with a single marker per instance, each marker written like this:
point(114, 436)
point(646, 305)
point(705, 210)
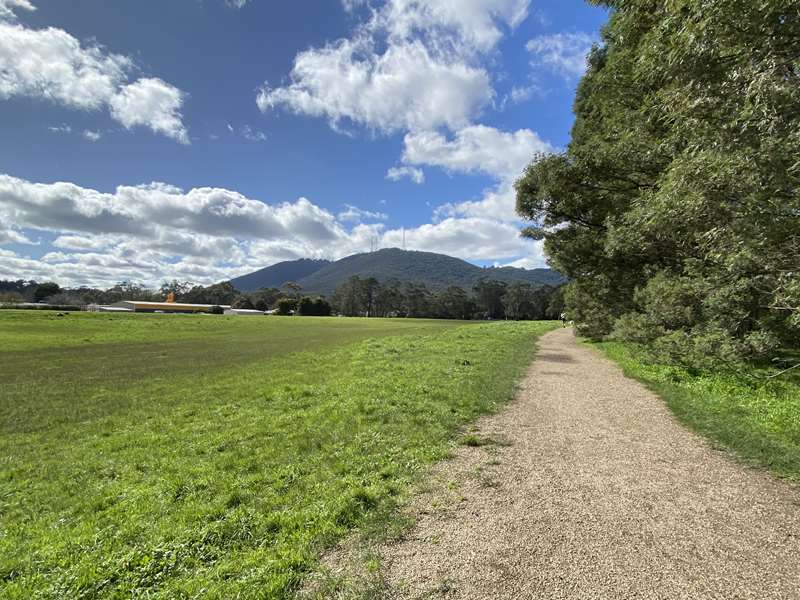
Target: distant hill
point(278, 274)
point(437, 271)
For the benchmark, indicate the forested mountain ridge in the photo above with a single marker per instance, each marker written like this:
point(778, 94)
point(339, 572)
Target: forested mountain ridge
point(276, 275)
point(437, 271)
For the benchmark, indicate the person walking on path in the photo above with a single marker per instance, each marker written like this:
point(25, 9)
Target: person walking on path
point(563, 319)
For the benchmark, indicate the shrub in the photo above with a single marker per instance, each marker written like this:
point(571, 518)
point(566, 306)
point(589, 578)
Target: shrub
point(242, 302)
point(315, 307)
point(286, 306)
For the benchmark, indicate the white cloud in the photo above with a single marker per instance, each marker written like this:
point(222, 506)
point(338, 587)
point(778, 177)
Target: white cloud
point(154, 232)
point(476, 22)
point(468, 238)
point(351, 5)
point(7, 8)
point(415, 64)
point(564, 53)
point(147, 211)
point(63, 128)
point(50, 64)
point(253, 135)
point(534, 261)
point(92, 136)
point(403, 88)
point(151, 102)
point(498, 203)
point(356, 215)
point(9, 235)
point(236, 3)
point(398, 173)
point(520, 94)
point(476, 148)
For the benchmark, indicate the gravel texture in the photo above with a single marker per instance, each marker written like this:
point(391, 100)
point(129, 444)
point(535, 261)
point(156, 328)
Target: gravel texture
point(589, 488)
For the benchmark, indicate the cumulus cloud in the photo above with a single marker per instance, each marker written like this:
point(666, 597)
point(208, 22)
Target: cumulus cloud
point(52, 65)
point(534, 261)
point(476, 148)
point(147, 211)
point(415, 64)
point(403, 88)
point(8, 235)
point(469, 238)
point(7, 8)
point(476, 23)
point(153, 232)
point(356, 215)
point(92, 136)
point(153, 103)
point(563, 53)
point(398, 173)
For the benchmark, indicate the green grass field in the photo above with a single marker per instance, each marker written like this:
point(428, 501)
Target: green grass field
point(168, 456)
point(757, 418)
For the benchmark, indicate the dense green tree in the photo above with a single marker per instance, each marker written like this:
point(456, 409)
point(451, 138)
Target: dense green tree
point(292, 289)
point(218, 293)
point(555, 303)
point(286, 306)
point(416, 300)
point(389, 299)
point(45, 290)
point(242, 302)
point(489, 297)
point(347, 298)
point(266, 298)
point(313, 307)
point(11, 298)
point(454, 303)
point(179, 288)
point(675, 207)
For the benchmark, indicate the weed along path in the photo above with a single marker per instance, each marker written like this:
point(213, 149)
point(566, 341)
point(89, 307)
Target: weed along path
point(587, 487)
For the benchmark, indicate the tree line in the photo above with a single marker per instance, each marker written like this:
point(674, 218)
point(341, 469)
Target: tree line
point(363, 297)
point(675, 209)
point(488, 299)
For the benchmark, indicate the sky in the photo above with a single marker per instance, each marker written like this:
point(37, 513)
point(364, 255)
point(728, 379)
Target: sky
point(203, 139)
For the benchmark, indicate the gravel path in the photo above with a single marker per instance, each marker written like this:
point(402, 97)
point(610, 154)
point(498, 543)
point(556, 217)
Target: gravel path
point(595, 491)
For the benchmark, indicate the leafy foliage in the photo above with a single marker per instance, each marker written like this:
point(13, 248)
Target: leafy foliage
point(490, 299)
point(286, 306)
point(675, 208)
point(314, 307)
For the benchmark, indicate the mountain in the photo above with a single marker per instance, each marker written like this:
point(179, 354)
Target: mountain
point(437, 271)
point(278, 274)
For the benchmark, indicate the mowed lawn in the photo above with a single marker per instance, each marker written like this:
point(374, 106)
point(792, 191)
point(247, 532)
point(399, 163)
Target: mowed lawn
point(169, 456)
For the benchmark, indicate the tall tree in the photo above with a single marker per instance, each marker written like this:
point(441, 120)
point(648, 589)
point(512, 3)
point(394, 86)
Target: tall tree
point(489, 297)
point(675, 207)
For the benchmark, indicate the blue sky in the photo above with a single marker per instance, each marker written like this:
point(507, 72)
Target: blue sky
point(202, 139)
